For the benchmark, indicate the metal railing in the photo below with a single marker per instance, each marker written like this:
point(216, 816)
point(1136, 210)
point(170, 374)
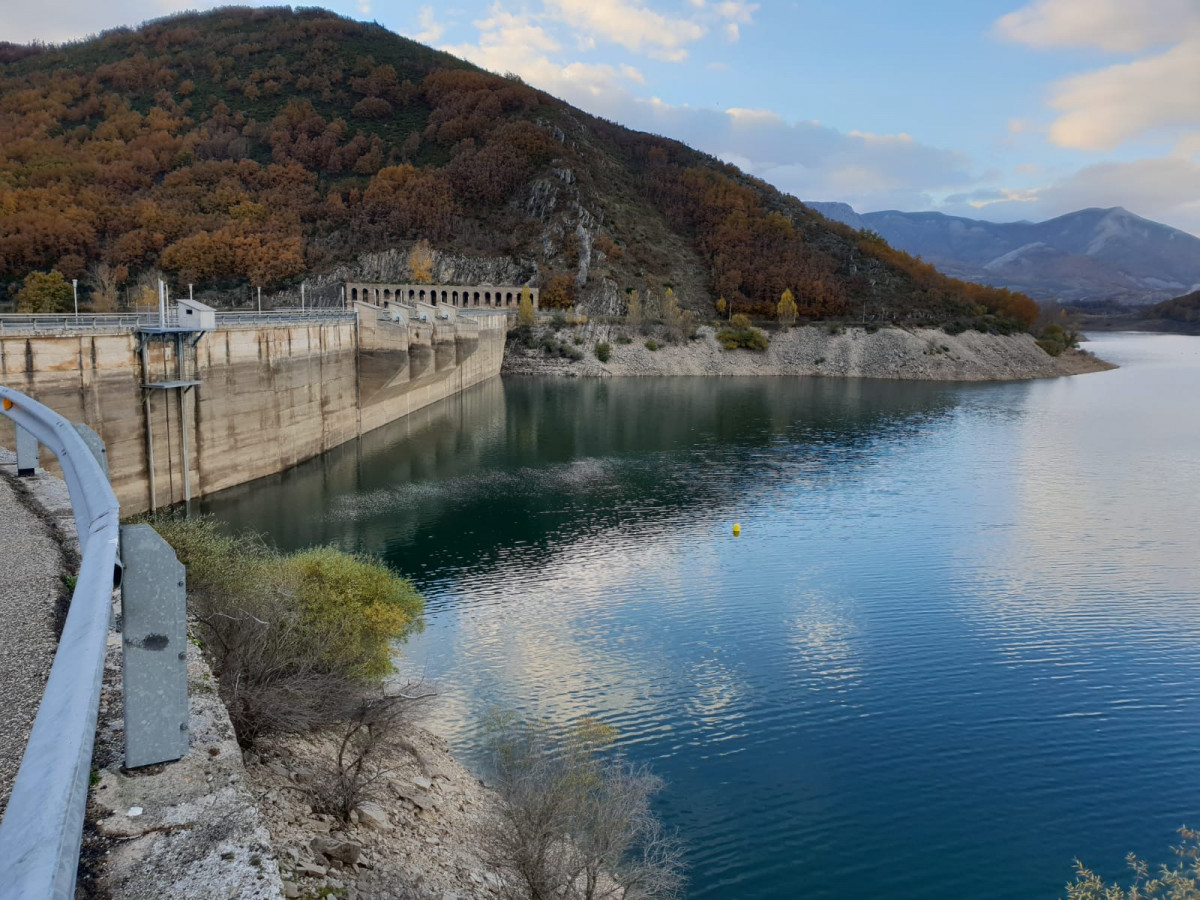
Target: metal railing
point(124, 322)
point(43, 823)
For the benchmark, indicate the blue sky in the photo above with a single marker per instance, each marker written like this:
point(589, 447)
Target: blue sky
point(996, 109)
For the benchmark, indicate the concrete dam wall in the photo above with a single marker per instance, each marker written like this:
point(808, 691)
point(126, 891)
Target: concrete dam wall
point(187, 416)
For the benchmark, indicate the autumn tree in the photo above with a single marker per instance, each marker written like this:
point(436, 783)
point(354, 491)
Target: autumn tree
point(785, 312)
point(420, 262)
point(675, 318)
point(44, 292)
point(558, 292)
point(525, 315)
point(105, 282)
point(722, 306)
point(634, 314)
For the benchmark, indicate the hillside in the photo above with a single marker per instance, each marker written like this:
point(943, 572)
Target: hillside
point(1180, 315)
point(258, 146)
point(1088, 256)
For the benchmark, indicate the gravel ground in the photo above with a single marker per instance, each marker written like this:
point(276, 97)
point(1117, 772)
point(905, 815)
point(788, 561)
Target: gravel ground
point(29, 589)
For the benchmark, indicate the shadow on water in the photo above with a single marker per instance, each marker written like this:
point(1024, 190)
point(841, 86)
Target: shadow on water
point(569, 457)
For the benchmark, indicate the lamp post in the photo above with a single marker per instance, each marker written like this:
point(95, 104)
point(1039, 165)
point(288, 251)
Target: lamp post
point(75, 292)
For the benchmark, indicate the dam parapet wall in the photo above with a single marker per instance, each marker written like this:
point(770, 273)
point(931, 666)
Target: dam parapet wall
point(187, 413)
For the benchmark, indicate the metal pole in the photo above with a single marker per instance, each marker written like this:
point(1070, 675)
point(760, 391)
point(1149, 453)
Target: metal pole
point(162, 306)
point(149, 425)
point(190, 297)
point(75, 291)
point(260, 299)
point(302, 296)
point(183, 433)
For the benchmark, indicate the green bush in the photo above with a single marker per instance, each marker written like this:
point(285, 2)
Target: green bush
point(741, 334)
point(603, 351)
point(359, 603)
point(953, 328)
point(1054, 339)
point(624, 339)
point(294, 639)
point(651, 344)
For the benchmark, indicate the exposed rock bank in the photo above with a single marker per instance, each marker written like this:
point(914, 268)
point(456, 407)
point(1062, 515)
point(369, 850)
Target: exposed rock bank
point(901, 353)
point(420, 838)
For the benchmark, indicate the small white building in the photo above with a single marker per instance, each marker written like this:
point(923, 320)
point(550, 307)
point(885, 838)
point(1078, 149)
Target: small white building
point(196, 316)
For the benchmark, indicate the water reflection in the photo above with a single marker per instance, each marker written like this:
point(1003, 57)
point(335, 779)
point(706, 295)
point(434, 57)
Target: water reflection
point(568, 459)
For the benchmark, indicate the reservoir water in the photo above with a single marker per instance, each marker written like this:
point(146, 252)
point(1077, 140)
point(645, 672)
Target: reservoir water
point(956, 645)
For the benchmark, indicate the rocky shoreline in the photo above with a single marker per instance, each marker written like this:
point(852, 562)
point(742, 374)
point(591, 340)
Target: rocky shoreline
point(890, 352)
point(223, 823)
point(419, 838)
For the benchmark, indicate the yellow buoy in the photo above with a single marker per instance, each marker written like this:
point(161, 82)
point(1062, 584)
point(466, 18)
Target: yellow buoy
point(737, 529)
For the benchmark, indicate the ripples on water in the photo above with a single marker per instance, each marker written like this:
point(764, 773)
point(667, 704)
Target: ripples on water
point(954, 647)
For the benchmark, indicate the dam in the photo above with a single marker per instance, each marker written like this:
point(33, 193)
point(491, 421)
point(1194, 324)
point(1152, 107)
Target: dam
point(194, 401)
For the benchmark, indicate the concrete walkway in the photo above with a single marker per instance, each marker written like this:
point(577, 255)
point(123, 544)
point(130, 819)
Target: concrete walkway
point(30, 565)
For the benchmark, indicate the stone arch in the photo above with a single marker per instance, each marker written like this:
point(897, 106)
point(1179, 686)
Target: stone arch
point(387, 294)
point(454, 299)
point(477, 298)
point(412, 295)
point(508, 299)
point(487, 298)
point(353, 294)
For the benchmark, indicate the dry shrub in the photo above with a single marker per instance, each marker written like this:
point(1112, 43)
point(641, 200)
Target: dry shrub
point(575, 822)
point(1178, 882)
point(363, 746)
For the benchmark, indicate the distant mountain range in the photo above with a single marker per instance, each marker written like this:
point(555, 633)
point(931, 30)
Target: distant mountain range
point(1089, 256)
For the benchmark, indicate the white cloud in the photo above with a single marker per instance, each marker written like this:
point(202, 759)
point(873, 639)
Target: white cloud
point(1146, 97)
point(1101, 110)
point(732, 32)
point(631, 25)
point(1165, 189)
point(1119, 26)
point(753, 116)
point(517, 43)
point(737, 11)
point(431, 31)
point(63, 20)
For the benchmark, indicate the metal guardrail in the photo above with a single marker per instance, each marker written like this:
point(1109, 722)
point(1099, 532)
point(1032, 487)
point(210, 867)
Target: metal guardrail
point(125, 322)
point(43, 823)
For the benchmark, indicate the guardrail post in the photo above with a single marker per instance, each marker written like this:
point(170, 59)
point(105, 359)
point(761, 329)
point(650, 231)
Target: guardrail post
point(154, 648)
point(95, 444)
point(27, 453)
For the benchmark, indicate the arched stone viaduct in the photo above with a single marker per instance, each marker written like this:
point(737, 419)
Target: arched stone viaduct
point(506, 297)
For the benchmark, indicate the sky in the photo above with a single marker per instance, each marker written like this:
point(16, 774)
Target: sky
point(992, 109)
